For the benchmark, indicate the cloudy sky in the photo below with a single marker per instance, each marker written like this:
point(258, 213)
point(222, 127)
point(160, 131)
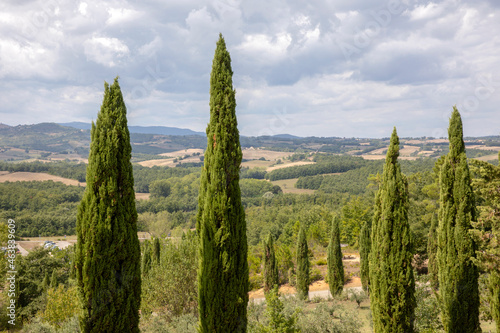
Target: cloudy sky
point(348, 68)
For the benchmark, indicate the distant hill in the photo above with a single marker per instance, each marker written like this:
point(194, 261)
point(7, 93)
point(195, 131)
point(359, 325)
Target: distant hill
point(161, 130)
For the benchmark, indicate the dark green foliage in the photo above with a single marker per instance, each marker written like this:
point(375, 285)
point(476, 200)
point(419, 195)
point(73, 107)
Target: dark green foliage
point(108, 251)
point(335, 267)
point(271, 277)
point(46, 282)
point(432, 245)
point(330, 165)
point(364, 255)
point(458, 275)
point(302, 265)
point(160, 188)
point(40, 208)
point(392, 285)
point(223, 267)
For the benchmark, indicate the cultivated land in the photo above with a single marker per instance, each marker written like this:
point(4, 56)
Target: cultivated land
point(288, 186)
point(6, 176)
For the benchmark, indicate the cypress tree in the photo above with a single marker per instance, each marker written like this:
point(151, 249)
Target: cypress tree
point(432, 244)
point(392, 285)
point(271, 277)
point(458, 275)
point(45, 282)
point(107, 253)
point(335, 267)
point(146, 259)
point(364, 255)
point(302, 265)
point(156, 251)
point(221, 226)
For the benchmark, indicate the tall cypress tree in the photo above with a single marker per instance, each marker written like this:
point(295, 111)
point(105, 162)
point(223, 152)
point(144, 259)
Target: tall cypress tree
point(335, 267)
point(392, 285)
point(271, 277)
point(302, 265)
point(107, 253)
point(223, 267)
point(432, 244)
point(458, 275)
point(364, 255)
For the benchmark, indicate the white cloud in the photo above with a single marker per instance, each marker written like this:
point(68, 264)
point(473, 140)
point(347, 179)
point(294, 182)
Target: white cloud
point(122, 15)
point(425, 12)
point(105, 51)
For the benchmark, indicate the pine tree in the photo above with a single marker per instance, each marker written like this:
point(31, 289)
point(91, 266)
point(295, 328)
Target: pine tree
point(302, 265)
point(392, 285)
point(364, 255)
point(156, 251)
point(432, 244)
point(458, 275)
point(107, 252)
point(335, 267)
point(221, 226)
point(271, 277)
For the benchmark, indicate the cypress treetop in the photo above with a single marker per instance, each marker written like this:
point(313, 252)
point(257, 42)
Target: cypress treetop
point(223, 266)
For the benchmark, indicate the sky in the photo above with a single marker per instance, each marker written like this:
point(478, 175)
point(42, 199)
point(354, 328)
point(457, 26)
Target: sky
point(344, 68)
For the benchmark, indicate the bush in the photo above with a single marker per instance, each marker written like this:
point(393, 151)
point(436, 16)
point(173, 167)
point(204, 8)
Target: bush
point(255, 282)
point(315, 275)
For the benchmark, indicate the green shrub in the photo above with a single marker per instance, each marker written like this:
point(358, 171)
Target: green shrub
point(256, 282)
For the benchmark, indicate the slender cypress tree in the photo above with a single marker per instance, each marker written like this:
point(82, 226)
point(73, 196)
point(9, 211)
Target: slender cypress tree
point(302, 265)
point(335, 267)
point(146, 259)
point(107, 253)
point(432, 244)
point(458, 275)
point(392, 285)
point(156, 251)
point(46, 282)
point(221, 226)
point(271, 277)
point(364, 255)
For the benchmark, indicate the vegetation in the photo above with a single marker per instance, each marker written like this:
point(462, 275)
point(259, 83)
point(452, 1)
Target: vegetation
point(392, 284)
point(271, 276)
point(364, 255)
point(458, 275)
point(108, 252)
point(302, 265)
point(223, 267)
point(335, 267)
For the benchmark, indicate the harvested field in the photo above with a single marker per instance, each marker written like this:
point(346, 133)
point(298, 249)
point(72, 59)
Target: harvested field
point(288, 186)
point(35, 176)
point(183, 152)
point(408, 150)
point(286, 165)
point(488, 157)
point(271, 155)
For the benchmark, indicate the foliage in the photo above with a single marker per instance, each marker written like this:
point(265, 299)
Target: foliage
point(364, 255)
point(335, 266)
point(392, 284)
point(108, 251)
point(432, 252)
point(278, 320)
point(427, 312)
point(271, 276)
point(62, 304)
point(331, 165)
point(458, 275)
point(303, 264)
point(169, 289)
point(355, 213)
point(40, 208)
point(223, 267)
